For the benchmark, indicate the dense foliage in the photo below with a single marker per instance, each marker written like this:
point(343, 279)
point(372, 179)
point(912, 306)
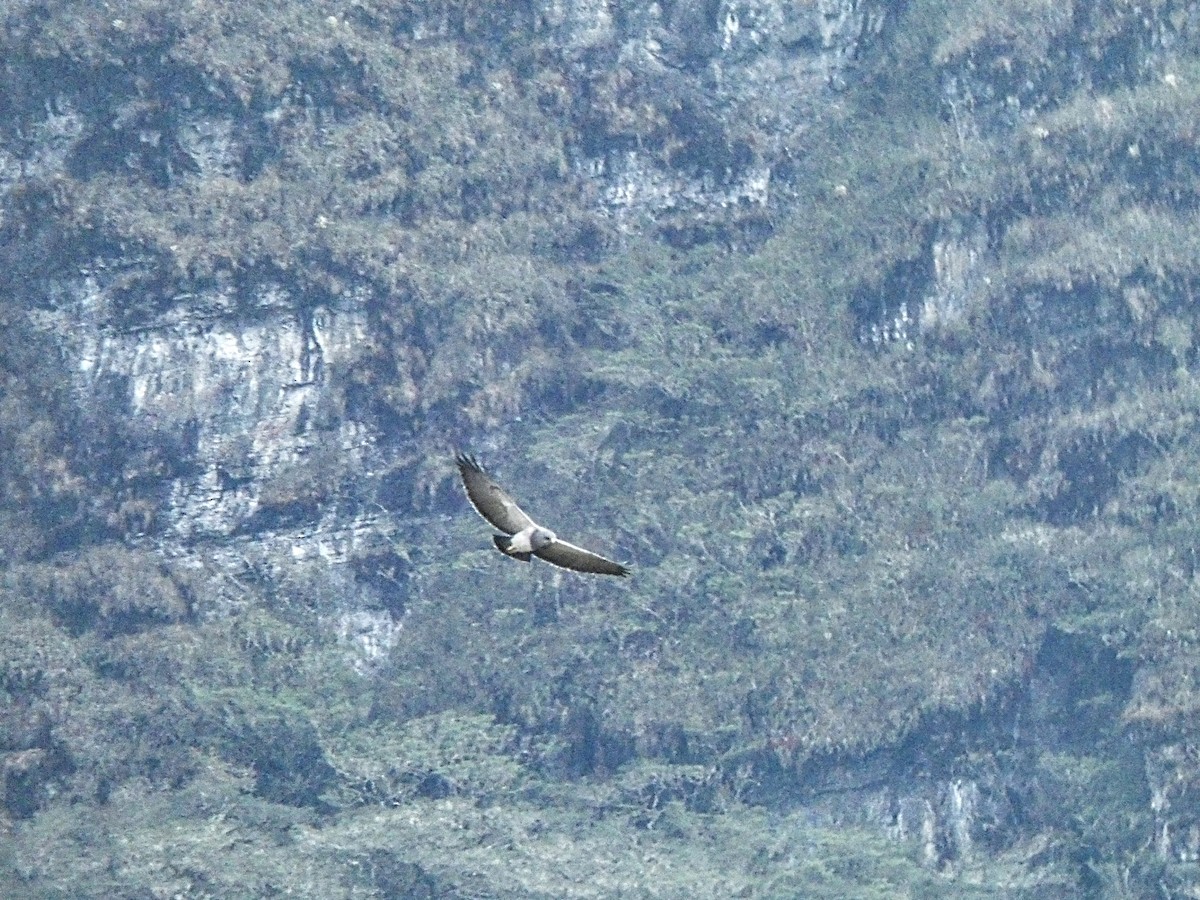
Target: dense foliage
point(852, 532)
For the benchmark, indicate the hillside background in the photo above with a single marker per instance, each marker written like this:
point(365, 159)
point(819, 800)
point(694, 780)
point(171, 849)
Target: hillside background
point(864, 331)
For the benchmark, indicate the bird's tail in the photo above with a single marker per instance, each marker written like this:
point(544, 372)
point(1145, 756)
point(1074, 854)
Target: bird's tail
point(502, 542)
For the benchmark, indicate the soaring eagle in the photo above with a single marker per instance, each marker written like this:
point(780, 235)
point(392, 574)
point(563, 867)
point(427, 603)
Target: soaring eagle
point(522, 536)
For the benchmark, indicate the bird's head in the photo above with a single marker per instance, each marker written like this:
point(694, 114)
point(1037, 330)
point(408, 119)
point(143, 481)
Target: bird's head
point(542, 537)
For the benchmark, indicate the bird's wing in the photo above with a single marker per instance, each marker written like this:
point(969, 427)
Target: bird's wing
point(489, 499)
point(571, 557)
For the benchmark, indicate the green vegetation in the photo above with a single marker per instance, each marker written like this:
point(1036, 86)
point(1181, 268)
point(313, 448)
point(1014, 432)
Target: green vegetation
point(840, 546)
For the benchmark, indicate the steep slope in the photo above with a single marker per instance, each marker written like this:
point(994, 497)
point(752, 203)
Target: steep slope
point(866, 329)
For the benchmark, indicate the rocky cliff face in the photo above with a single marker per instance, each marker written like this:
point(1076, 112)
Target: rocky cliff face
point(239, 373)
point(240, 367)
point(701, 70)
point(226, 239)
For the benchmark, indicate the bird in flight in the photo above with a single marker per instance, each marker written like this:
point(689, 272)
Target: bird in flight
point(523, 537)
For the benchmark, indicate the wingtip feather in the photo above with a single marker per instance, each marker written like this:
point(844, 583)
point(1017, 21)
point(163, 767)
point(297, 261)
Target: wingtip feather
point(467, 462)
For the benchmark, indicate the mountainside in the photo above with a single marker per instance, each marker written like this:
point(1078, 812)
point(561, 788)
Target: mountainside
point(863, 331)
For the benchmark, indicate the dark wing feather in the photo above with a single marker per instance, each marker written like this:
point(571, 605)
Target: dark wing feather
point(571, 557)
point(489, 499)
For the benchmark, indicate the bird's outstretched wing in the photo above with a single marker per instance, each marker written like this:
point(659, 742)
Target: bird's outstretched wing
point(571, 557)
point(489, 499)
